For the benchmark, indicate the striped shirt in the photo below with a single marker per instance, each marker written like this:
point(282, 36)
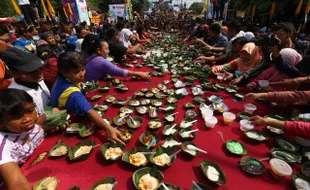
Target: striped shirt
point(18, 147)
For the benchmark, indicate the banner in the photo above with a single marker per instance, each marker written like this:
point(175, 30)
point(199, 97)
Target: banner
point(272, 9)
point(16, 8)
point(225, 12)
point(76, 10)
point(117, 10)
point(82, 11)
point(71, 10)
point(298, 7)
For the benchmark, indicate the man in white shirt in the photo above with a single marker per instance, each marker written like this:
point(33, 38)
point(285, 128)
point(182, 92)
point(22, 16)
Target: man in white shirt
point(81, 32)
point(26, 69)
point(27, 11)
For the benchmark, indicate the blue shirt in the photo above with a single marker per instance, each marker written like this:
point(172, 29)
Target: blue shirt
point(25, 44)
point(71, 40)
point(67, 95)
point(221, 41)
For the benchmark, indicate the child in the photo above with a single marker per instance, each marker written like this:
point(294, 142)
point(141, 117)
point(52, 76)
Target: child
point(67, 94)
point(19, 135)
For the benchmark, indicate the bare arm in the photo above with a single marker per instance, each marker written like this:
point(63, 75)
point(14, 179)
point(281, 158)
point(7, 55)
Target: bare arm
point(113, 134)
point(13, 177)
point(142, 75)
point(261, 121)
point(133, 49)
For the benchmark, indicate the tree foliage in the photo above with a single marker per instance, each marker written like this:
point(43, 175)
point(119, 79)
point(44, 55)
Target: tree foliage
point(6, 8)
point(284, 9)
point(196, 7)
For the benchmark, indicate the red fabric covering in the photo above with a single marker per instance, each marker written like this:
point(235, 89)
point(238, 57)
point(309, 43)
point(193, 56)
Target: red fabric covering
point(181, 173)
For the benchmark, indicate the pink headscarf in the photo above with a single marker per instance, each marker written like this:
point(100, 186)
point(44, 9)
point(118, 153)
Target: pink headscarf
point(255, 57)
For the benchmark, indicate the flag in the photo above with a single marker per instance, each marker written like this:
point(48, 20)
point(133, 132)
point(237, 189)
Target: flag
point(206, 7)
point(307, 8)
point(298, 7)
point(272, 8)
point(45, 9)
point(225, 12)
point(17, 10)
point(50, 8)
point(130, 10)
point(70, 11)
point(125, 6)
point(65, 13)
point(253, 10)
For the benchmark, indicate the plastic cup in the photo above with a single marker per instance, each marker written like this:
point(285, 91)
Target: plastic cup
point(250, 108)
point(245, 125)
point(207, 113)
point(280, 168)
point(228, 118)
point(210, 122)
point(263, 83)
point(220, 76)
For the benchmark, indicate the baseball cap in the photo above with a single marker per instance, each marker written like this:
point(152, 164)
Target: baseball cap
point(20, 60)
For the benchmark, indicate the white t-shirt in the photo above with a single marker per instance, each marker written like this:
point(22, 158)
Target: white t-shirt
point(229, 45)
point(23, 2)
point(78, 45)
point(18, 147)
point(41, 96)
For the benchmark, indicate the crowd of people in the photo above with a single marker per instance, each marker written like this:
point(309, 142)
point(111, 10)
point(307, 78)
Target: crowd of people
point(44, 66)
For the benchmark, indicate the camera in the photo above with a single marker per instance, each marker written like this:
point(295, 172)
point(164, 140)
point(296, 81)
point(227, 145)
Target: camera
point(268, 40)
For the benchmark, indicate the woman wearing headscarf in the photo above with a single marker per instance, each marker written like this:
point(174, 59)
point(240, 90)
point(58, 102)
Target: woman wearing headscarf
point(272, 74)
point(249, 56)
point(125, 36)
point(117, 49)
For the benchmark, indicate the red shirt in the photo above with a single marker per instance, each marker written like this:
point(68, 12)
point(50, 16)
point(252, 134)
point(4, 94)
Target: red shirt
point(298, 128)
point(50, 72)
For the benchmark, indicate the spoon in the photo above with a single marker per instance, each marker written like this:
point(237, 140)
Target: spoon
point(174, 154)
point(264, 159)
point(133, 121)
point(191, 147)
point(221, 135)
point(151, 144)
point(96, 145)
point(189, 132)
point(169, 130)
point(172, 114)
point(147, 153)
point(189, 124)
point(196, 185)
point(165, 109)
point(164, 186)
point(121, 118)
point(72, 130)
point(89, 129)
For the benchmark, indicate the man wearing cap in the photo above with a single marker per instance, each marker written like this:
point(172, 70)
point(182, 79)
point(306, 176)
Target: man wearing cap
point(26, 70)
